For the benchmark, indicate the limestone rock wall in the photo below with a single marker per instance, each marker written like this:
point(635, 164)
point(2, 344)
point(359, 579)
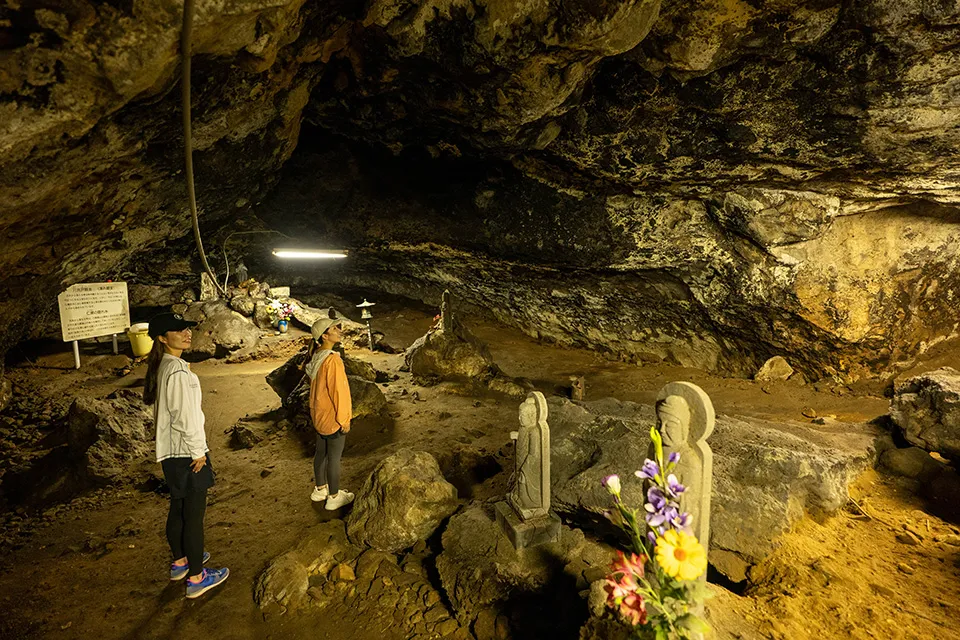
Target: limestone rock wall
point(707, 182)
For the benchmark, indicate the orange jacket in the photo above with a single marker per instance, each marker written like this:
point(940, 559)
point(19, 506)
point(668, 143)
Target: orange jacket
point(330, 405)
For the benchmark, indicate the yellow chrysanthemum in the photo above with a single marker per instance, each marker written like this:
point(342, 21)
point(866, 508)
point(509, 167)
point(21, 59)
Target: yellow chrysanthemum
point(681, 556)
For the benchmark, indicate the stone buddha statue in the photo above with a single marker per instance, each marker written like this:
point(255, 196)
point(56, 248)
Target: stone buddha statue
point(530, 496)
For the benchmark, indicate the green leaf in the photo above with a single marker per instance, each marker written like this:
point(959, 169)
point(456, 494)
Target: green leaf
point(693, 624)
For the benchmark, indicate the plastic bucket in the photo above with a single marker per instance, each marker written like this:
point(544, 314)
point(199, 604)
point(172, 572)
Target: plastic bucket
point(140, 340)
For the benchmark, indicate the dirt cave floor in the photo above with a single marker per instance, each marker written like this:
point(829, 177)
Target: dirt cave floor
point(96, 567)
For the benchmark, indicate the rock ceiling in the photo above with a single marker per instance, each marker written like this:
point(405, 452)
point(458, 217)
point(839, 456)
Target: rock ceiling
point(706, 182)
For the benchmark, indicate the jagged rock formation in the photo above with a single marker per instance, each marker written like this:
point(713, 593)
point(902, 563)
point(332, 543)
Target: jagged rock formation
point(927, 410)
point(702, 182)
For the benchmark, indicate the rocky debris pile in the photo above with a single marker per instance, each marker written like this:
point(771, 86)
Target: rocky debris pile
point(402, 502)
point(112, 437)
point(96, 442)
point(325, 571)
point(293, 386)
point(29, 427)
point(252, 299)
point(926, 408)
point(243, 437)
point(766, 474)
point(501, 593)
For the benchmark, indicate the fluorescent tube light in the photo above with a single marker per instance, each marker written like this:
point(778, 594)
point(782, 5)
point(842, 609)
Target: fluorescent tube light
point(310, 254)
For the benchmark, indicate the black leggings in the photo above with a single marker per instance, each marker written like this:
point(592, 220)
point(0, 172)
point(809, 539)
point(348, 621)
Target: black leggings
point(326, 461)
point(185, 528)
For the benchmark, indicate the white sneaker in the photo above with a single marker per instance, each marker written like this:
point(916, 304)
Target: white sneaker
point(342, 499)
point(319, 495)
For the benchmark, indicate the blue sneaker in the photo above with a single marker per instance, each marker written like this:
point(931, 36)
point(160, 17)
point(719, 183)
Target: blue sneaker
point(179, 572)
point(211, 578)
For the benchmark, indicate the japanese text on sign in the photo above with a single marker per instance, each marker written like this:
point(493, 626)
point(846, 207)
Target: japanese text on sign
point(92, 310)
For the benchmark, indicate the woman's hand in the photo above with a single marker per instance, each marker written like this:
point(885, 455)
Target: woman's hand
point(198, 464)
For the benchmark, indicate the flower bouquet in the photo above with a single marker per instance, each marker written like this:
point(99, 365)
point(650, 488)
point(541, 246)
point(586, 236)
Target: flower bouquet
point(281, 311)
point(655, 586)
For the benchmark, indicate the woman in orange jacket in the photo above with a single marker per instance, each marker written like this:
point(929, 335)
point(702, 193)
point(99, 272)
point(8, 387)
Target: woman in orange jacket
point(331, 410)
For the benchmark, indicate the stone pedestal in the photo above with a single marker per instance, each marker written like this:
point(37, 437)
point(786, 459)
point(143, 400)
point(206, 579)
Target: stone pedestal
point(527, 533)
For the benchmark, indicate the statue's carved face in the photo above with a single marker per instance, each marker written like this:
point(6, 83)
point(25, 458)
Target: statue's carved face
point(674, 416)
point(528, 413)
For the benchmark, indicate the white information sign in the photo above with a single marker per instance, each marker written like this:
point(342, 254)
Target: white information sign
point(94, 309)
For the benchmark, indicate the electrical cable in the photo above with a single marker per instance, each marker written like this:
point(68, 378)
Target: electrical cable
point(185, 50)
point(223, 247)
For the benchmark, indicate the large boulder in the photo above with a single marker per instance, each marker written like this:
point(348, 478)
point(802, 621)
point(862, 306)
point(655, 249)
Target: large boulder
point(221, 329)
point(927, 410)
point(402, 502)
point(244, 304)
point(293, 386)
point(110, 437)
point(450, 355)
point(766, 475)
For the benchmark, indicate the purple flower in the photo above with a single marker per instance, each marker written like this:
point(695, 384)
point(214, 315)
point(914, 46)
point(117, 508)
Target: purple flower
point(652, 537)
point(667, 516)
point(649, 471)
point(656, 499)
point(681, 521)
point(673, 458)
point(674, 485)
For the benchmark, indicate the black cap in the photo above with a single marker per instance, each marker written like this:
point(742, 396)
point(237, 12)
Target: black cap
point(164, 322)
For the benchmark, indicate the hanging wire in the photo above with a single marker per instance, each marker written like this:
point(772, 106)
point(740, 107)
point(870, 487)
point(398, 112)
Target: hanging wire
point(185, 50)
point(223, 247)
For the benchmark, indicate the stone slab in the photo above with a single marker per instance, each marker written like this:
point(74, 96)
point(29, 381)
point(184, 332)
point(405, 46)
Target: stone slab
point(529, 533)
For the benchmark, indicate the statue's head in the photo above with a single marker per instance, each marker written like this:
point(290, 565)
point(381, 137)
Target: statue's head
point(673, 413)
point(528, 413)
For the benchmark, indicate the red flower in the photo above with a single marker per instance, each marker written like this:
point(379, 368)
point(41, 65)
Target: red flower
point(621, 587)
point(629, 565)
point(633, 609)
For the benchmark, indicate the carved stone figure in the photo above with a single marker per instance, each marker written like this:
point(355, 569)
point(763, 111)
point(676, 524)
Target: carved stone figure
point(446, 313)
point(530, 496)
point(242, 273)
point(685, 418)
point(524, 517)
point(577, 387)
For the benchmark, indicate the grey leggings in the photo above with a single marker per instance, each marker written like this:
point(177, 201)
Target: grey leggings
point(326, 461)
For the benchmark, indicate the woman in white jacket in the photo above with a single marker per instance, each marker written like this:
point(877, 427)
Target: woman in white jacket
point(174, 392)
